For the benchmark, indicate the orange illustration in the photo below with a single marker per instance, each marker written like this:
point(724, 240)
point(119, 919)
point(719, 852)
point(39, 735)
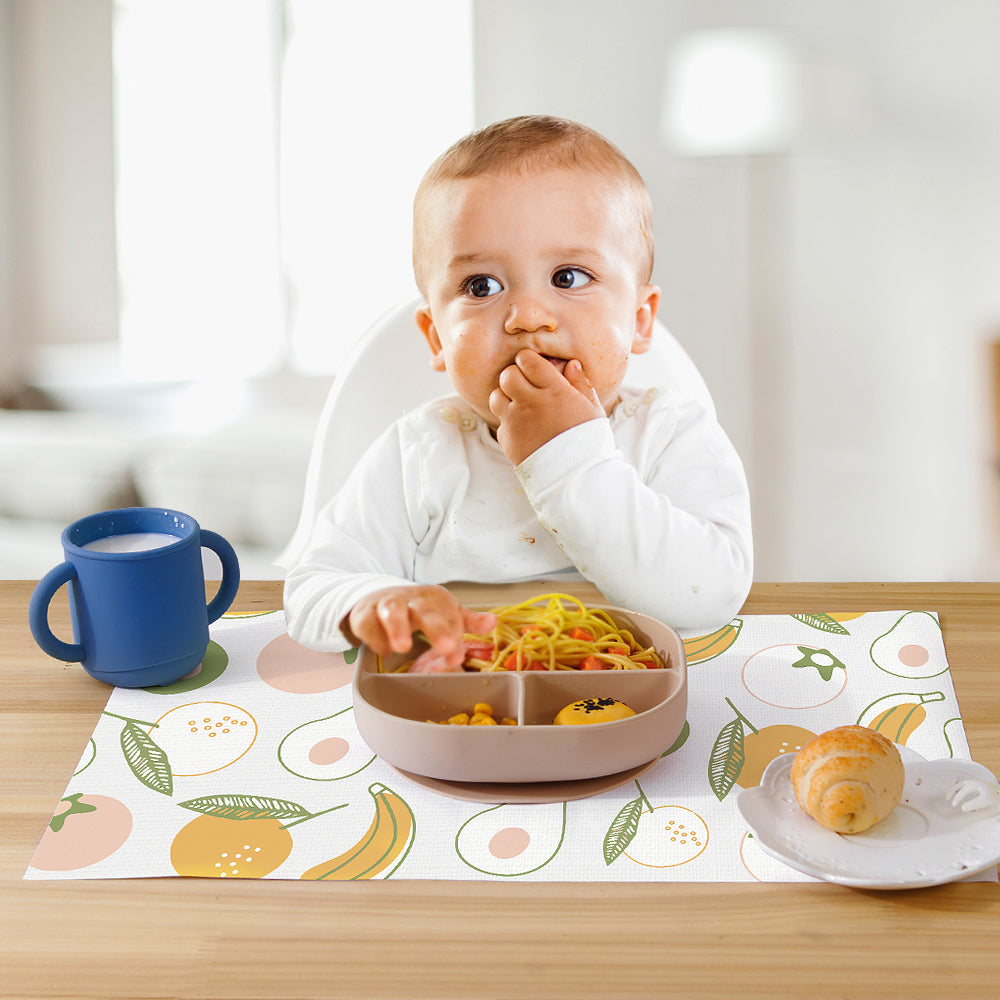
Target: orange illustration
point(214, 847)
point(764, 745)
point(204, 736)
point(742, 751)
point(667, 837)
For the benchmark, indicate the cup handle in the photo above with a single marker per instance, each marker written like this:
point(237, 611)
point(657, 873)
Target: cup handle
point(38, 615)
point(230, 582)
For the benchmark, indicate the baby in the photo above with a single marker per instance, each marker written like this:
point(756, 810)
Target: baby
point(533, 249)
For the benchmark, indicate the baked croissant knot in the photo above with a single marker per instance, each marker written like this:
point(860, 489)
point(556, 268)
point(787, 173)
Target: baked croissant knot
point(848, 778)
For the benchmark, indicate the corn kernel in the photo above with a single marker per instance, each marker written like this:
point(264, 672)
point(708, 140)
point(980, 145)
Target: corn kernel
point(481, 708)
point(508, 721)
point(461, 719)
point(482, 720)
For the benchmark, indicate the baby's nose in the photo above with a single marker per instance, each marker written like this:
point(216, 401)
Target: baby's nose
point(528, 313)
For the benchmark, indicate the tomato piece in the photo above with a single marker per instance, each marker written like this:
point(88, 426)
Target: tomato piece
point(583, 634)
point(479, 650)
point(592, 663)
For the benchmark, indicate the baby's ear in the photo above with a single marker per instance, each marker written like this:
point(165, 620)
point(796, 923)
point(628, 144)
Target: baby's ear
point(645, 315)
point(426, 323)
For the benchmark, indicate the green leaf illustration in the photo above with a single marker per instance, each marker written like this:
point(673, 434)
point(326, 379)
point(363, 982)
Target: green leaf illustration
point(246, 807)
point(147, 760)
point(727, 758)
point(623, 828)
point(351, 654)
point(817, 619)
point(682, 738)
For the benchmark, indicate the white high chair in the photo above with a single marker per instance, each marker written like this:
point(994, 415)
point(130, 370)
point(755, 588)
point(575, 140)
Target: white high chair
point(387, 374)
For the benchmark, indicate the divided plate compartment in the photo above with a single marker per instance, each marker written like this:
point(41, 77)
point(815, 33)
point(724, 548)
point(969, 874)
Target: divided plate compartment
point(392, 712)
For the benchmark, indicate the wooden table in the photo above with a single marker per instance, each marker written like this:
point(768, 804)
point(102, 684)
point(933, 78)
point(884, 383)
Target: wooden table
point(200, 938)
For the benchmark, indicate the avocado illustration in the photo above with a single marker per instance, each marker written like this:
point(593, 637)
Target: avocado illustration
point(325, 749)
point(903, 651)
point(214, 662)
point(512, 839)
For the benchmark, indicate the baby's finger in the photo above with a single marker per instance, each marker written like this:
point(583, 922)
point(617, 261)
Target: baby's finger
point(535, 369)
point(479, 622)
point(446, 642)
point(577, 378)
point(513, 382)
point(393, 616)
point(499, 403)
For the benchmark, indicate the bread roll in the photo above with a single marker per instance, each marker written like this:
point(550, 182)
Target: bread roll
point(848, 778)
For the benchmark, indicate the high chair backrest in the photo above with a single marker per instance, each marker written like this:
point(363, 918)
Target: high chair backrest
point(387, 374)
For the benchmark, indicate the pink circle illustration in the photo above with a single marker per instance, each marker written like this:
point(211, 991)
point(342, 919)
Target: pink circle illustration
point(288, 666)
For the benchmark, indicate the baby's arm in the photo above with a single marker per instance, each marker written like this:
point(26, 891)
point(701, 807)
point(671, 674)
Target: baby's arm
point(535, 402)
point(386, 620)
point(354, 581)
point(672, 540)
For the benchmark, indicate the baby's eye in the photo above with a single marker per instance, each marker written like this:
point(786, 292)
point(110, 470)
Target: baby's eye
point(482, 286)
point(570, 277)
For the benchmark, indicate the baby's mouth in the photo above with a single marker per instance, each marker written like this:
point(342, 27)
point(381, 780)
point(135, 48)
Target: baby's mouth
point(559, 363)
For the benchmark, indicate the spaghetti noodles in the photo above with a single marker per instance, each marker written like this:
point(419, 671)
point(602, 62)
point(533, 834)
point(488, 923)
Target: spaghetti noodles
point(562, 635)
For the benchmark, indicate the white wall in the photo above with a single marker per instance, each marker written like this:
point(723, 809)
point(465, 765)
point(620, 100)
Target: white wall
point(838, 297)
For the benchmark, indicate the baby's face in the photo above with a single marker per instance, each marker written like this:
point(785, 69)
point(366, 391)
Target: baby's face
point(547, 260)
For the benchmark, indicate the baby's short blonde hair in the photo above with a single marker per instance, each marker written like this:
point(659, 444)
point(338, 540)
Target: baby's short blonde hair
point(536, 142)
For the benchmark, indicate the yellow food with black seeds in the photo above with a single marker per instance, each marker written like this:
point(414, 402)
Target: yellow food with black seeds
point(591, 710)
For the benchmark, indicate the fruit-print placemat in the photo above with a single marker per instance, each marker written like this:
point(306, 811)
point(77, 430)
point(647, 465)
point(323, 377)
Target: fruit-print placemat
point(253, 767)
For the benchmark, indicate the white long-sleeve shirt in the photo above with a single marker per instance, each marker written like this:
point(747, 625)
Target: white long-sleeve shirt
point(649, 504)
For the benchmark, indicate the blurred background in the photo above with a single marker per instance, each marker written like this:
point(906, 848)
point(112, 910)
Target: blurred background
point(204, 203)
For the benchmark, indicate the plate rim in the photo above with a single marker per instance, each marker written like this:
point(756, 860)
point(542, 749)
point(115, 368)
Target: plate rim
point(776, 769)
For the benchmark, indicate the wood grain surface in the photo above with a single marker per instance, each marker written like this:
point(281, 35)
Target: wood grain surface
point(423, 939)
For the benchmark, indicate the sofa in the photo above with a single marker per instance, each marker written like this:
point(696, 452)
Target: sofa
point(243, 479)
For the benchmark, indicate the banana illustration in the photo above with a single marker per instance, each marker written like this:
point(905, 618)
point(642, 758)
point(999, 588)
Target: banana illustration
point(707, 647)
point(897, 716)
point(386, 843)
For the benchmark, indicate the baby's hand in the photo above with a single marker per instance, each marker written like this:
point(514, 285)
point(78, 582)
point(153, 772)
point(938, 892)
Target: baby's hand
point(386, 620)
point(535, 401)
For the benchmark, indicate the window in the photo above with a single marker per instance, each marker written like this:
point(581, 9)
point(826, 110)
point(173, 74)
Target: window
point(266, 154)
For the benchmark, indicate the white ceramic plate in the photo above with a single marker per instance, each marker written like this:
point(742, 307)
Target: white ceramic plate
point(947, 827)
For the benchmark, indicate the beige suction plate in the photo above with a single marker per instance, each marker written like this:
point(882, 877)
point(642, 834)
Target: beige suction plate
point(391, 711)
